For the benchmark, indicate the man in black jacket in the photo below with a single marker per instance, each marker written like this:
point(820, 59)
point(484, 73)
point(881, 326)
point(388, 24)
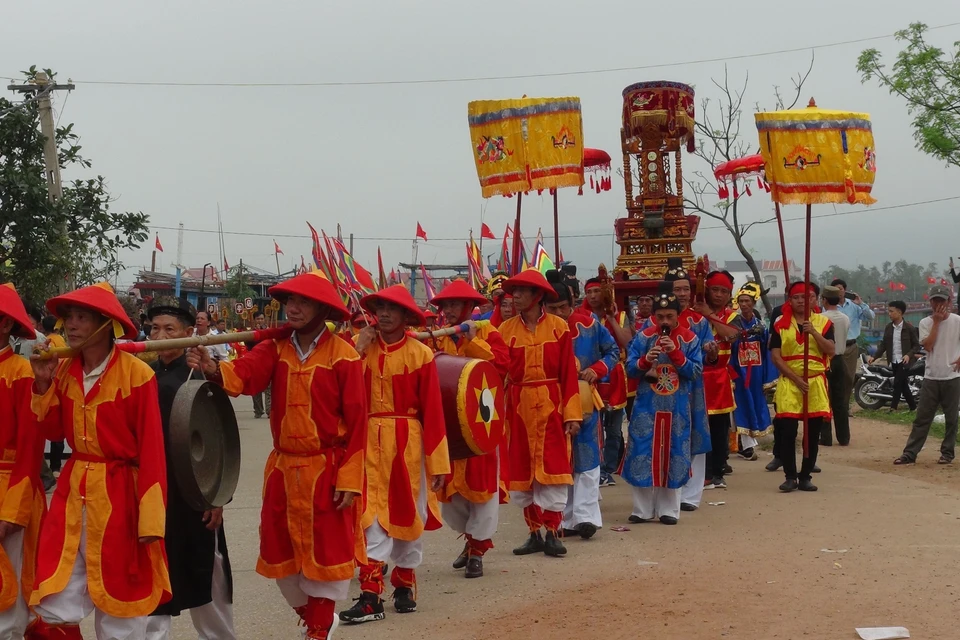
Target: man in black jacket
point(196, 547)
point(901, 343)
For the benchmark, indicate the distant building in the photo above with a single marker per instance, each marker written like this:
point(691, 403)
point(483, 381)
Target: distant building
point(205, 286)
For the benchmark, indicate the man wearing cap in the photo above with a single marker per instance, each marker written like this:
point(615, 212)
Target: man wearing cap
point(668, 358)
point(310, 538)
point(940, 336)
point(470, 499)
point(613, 388)
point(753, 368)
point(407, 451)
point(22, 501)
point(195, 543)
point(790, 331)
point(717, 379)
point(543, 411)
point(700, 444)
point(596, 353)
point(101, 543)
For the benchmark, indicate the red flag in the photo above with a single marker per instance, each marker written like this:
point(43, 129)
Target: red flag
point(421, 233)
point(226, 267)
point(392, 278)
point(943, 281)
point(303, 265)
point(485, 232)
point(931, 280)
point(901, 286)
point(382, 275)
point(276, 248)
point(880, 289)
point(158, 245)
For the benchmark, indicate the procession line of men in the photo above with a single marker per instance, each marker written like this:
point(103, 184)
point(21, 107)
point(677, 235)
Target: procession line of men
point(360, 456)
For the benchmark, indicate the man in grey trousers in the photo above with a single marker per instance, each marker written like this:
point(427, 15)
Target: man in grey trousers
point(940, 336)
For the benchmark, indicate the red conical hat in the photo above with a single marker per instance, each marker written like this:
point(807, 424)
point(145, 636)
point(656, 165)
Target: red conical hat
point(101, 298)
point(315, 286)
point(12, 307)
point(458, 290)
point(398, 295)
point(533, 279)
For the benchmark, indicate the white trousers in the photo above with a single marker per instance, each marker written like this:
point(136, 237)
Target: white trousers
point(296, 588)
point(73, 604)
point(478, 520)
point(14, 619)
point(748, 442)
point(549, 497)
point(381, 547)
point(212, 621)
point(583, 500)
point(650, 503)
point(692, 492)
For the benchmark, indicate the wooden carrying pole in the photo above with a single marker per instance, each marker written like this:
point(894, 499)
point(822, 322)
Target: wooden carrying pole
point(181, 343)
point(516, 238)
point(806, 336)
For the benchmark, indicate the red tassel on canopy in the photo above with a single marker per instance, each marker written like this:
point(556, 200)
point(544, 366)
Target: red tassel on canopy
point(736, 193)
point(591, 182)
point(580, 191)
point(759, 183)
point(746, 187)
point(722, 191)
point(598, 186)
point(766, 187)
point(539, 192)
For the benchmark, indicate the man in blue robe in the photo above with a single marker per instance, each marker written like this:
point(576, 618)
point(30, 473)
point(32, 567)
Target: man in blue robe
point(750, 359)
point(668, 357)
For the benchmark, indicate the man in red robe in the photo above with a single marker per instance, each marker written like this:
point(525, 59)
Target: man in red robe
point(543, 411)
point(310, 534)
point(101, 543)
point(407, 451)
point(471, 496)
point(22, 501)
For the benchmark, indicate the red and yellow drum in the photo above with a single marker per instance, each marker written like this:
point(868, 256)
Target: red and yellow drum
point(473, 405)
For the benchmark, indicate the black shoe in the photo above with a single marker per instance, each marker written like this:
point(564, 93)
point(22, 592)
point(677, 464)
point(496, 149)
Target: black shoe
point(474, 567)
point(534, 544)
point(686, 506)
point(718, 483)
point(586, 530)
point(570, 533)
point(668, 520)
point(403, 600)
point(748, 454)
point(826, 443)
point(636, 519)
point(369, 607)
point(727, 469)
point(552, 546)
point(461, 560)
point(807, 485)
point(816, 469)
point(788, 486)
point(774, 465)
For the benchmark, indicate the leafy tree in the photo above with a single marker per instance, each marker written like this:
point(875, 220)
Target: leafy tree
point(237, 287)
point(719, 140)
point(44, 245)
point(928, 78)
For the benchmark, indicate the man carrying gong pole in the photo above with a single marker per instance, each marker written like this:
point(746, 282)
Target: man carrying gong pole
point(196, 546)
point(310, 535)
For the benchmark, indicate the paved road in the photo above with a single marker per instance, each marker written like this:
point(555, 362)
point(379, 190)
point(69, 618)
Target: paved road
point(751, 568)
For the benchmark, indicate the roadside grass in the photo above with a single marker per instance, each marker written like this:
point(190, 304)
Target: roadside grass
point(901, 416)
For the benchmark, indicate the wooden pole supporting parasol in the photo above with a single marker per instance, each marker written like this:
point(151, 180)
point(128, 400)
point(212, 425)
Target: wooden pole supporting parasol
point(516, 238)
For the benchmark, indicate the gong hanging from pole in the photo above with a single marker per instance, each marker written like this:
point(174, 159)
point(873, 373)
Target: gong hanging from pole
point(204, 445)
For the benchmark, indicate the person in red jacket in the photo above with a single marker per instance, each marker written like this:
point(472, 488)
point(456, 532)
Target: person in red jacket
point(22, 501)
point(471, 496)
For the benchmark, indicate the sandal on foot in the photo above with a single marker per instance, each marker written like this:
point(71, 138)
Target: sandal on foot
point(904, 460)
point(943, 460)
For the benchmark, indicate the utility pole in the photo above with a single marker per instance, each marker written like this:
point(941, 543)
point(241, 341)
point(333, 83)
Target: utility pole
point(41, 86)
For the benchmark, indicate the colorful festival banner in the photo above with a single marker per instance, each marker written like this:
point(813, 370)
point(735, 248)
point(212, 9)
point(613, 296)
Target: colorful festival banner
point(530, 143)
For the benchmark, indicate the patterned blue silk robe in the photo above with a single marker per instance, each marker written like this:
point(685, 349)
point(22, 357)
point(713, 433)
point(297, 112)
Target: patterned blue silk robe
point(594, 348)
point(659, 443)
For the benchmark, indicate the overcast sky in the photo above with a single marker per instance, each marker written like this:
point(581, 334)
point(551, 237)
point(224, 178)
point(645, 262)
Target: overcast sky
point(377, 159)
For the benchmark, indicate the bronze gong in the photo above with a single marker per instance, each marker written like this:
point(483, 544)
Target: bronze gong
point(204, 445)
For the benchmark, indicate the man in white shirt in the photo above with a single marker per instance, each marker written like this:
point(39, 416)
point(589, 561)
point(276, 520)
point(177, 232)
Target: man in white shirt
point(218, 352)
point(900, 343)
point(837, 374)
point(940, 336)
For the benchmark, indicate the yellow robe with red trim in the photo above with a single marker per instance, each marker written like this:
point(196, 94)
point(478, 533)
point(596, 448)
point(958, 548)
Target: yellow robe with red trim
point(118, 473)
point(318, 424)
point(788, 398)
point(718, 376)
point(477, 479)
point(543, 394)
point(22, 499)
point(406, 434)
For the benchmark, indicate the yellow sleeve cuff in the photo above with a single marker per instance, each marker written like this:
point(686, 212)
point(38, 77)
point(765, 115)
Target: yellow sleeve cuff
point(17, 504)
point(41, 404)
point(350, 474)
point(153, 513)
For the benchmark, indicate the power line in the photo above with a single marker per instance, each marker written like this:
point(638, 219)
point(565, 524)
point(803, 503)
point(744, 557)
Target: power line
point(37, 96)
point(556, 74)
point(572, 235)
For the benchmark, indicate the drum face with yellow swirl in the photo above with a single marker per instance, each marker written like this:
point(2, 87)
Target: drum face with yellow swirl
point(473, 405)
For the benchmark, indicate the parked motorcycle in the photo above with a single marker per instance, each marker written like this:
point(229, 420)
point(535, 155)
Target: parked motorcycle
point(874, 385)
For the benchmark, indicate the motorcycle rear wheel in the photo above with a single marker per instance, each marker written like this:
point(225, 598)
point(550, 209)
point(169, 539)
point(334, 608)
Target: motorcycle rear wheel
point(861, 392)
